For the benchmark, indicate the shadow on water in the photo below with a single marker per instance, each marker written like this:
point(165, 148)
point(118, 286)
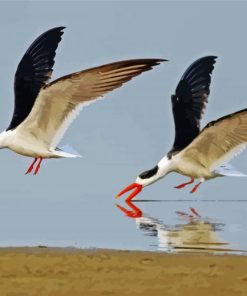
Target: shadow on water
point(195, 234)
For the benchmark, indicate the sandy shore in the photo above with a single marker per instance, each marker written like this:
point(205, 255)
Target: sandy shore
point(62, 272)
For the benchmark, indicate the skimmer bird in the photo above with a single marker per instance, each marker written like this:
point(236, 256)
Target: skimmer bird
point(197, 154)
point(44, 110)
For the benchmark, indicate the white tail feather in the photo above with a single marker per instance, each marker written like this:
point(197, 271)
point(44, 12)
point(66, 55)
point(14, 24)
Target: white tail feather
point(68, 151)
point(229, 170)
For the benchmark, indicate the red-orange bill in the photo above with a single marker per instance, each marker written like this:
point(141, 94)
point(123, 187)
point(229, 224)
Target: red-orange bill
point(136, 186)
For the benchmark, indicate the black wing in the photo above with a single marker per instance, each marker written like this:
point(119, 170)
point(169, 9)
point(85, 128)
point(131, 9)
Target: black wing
point(189, 101)
point(33, 72)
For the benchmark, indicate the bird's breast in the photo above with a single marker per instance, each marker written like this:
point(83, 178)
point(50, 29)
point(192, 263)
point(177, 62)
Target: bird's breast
point(190, 167)
point(27, 145)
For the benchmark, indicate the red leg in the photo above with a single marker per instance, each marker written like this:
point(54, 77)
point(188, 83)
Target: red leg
point(29, 170)
point(184, 184)
point(38, 166)
point(195, 187)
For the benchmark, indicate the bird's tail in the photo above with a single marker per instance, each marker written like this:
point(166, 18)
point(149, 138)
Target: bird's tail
point(228, 170)
point(67, 151)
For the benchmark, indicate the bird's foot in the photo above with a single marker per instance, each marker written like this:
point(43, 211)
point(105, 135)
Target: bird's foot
point(195, 187)
point(184, 184)
point(38, 166)
point(29, 170)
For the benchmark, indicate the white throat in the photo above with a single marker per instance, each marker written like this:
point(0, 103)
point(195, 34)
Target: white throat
point(165, 166)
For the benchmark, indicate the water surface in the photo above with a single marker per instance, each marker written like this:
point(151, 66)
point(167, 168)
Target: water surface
point(203, 225)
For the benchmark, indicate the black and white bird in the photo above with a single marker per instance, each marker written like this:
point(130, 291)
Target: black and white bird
point(197, 154)
point(44, 110)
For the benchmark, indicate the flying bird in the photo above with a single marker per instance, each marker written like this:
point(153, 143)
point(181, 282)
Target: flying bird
point(44, 110)
point(197, 154)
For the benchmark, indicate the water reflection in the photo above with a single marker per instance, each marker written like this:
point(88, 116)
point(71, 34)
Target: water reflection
point(194, 234)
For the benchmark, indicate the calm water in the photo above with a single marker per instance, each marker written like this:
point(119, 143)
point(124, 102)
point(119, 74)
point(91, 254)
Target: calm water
point(204, 225)
point(71, 202)
point(190, 226)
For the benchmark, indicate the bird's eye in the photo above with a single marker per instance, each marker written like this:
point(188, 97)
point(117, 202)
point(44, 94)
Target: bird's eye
point(175, 98)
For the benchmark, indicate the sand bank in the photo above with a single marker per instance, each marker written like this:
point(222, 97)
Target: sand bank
point(72, 272)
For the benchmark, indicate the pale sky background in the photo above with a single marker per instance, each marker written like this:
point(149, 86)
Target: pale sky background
point(71, 202)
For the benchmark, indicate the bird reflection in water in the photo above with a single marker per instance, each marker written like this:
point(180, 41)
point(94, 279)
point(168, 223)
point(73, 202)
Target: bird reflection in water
point(198, 234)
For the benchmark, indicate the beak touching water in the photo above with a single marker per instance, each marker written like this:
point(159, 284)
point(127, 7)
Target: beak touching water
point(136, 186)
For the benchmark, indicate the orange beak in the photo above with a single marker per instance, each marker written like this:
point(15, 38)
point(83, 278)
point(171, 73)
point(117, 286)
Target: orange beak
point(137, 187)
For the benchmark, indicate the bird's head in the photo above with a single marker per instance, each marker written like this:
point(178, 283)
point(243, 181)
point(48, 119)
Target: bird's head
point(146, 178)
